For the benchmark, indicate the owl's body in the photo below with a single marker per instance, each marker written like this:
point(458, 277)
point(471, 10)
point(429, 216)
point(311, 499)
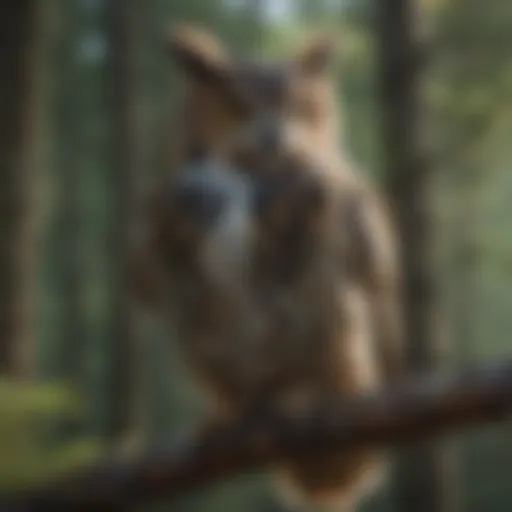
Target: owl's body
point(283, 287)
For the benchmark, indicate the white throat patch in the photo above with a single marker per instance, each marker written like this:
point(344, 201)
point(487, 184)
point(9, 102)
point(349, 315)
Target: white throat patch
point(226, 251)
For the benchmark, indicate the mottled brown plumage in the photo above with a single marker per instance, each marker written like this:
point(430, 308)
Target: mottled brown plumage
point(274, 261)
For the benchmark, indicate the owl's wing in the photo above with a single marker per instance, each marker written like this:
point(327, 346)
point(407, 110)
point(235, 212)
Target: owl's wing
point(374, 255)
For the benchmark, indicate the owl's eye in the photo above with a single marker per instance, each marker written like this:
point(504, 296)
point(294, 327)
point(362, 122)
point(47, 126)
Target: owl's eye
point(241, 102)
point(196, 151)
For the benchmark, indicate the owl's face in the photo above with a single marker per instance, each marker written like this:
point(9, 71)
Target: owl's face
point(251, 209)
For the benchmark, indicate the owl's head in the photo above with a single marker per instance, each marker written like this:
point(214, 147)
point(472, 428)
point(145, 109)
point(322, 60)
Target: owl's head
point(270, 107)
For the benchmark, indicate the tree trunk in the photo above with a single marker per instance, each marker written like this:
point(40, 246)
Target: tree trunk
point(126, 155)
point(425, 475)
point(69, 119)
point(19, 45)
point(466, 261)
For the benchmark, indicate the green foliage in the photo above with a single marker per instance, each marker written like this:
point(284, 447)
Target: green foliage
point(28, 414)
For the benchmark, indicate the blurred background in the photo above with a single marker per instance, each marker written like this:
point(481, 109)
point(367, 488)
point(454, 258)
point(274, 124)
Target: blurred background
point(85, 88)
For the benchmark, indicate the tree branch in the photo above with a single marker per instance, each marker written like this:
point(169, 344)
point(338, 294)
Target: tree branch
point(423, 408)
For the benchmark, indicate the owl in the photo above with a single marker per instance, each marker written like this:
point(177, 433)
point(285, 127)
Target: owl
point(272, 258)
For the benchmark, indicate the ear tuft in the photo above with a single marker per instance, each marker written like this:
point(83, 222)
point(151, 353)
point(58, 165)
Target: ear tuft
point(195, 40)
point(199, 54)
point(320, 55)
